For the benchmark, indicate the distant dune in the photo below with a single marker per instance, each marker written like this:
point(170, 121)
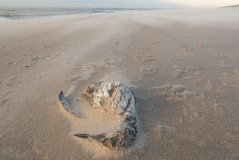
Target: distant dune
point(234, 6)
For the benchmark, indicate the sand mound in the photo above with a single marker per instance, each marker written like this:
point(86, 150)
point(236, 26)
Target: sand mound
point(196, 106)
point(186, 71)
point(113, 62)
point(148, 70)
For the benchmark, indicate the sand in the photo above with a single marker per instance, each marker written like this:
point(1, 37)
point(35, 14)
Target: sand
point(182, 65)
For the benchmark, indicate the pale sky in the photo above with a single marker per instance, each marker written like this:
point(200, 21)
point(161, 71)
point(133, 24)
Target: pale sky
point(117, 3)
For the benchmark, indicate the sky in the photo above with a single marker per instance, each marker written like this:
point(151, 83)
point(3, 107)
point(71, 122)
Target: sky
point(118, 3)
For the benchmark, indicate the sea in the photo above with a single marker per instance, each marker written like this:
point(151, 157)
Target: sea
point(26, 13)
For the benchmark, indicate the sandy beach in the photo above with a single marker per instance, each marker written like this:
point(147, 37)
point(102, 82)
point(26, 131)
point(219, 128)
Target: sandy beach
point(182, 65)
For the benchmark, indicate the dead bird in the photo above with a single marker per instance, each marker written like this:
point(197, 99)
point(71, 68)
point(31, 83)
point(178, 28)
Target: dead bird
point(118, 99)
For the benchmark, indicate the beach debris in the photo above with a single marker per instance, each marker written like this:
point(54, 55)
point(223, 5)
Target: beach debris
point(37, 58)
point(27, 66)
point(178, 91)
point(148, 58)
point(120, 100)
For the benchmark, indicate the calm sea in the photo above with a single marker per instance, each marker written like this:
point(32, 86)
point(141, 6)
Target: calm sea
point(23, 13)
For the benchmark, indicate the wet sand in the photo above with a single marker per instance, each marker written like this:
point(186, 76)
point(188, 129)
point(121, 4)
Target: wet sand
point(182, 66)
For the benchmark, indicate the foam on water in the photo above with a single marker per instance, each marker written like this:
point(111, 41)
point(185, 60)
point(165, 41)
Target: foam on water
point(23, 13)
point(3, 19)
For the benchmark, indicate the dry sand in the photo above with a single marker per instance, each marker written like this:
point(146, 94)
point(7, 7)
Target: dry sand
point(183, 66)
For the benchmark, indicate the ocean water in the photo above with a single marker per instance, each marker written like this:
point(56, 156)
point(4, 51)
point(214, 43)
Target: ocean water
point(24, 13)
